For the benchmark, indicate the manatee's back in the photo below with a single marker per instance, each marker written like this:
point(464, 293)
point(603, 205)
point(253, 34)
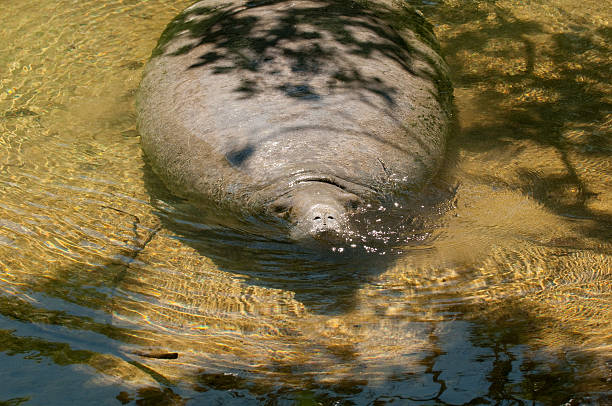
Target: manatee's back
point(239, 100)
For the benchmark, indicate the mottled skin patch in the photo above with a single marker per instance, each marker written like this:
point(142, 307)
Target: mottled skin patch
point(246, 104)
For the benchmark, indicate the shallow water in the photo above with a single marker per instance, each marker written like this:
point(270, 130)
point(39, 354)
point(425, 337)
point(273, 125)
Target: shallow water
point(111, 293)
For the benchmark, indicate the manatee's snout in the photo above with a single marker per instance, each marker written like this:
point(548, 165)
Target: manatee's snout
point(317, 209)
point(323, 218)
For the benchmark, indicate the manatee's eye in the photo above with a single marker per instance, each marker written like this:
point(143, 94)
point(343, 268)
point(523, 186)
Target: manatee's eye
point(353, 203)
point(279, 209)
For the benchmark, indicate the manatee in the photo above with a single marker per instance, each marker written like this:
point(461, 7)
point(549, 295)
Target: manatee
point(304, 110)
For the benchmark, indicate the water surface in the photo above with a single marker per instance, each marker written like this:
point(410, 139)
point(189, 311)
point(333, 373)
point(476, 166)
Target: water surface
point(112, 294)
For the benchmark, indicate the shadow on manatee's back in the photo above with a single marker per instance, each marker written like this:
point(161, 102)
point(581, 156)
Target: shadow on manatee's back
point(242, 44)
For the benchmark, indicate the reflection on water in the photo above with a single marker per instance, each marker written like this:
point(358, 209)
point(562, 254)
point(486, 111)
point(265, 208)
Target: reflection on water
point(509, 302)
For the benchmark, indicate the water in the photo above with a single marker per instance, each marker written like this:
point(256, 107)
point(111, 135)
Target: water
point(111, 294)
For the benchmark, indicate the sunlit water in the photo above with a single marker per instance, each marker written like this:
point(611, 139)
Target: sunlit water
point(111, 291)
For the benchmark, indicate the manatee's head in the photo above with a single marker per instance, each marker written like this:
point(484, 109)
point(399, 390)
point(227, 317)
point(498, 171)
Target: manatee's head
point(317, 209)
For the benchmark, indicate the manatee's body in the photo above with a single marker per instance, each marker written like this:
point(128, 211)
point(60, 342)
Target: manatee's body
point(299, 107)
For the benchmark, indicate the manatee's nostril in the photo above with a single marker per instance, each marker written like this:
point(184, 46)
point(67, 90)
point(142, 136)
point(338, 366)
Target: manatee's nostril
point(322, 218)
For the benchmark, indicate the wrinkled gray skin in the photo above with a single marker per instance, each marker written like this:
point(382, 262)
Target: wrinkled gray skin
point(304, 109)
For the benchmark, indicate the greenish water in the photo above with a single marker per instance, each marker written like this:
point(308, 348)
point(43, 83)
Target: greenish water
point(106, 296)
